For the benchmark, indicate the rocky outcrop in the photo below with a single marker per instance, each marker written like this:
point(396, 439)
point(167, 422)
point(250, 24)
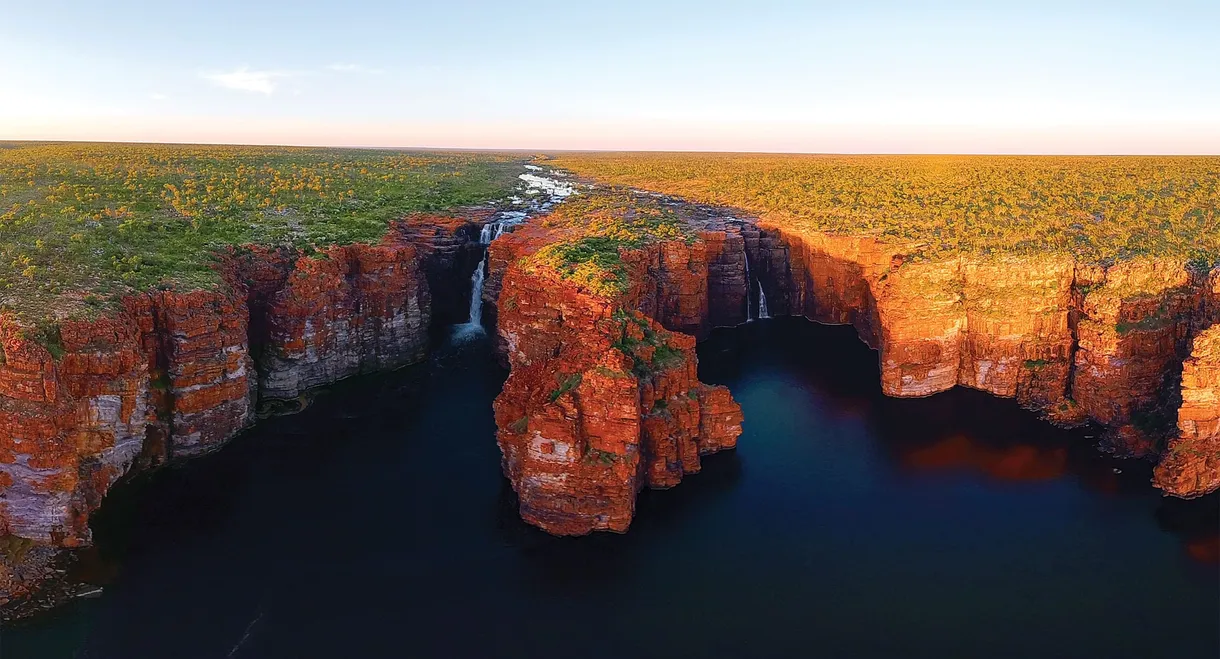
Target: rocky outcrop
point(1191, 466)
point(74, 408)
point(603, 400)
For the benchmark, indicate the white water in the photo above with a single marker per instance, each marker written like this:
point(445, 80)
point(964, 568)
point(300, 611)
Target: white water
point(476, 294)
point(538, 194)
point(763, 312)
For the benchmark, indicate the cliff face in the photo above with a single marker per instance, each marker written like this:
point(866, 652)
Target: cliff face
point(1191, 466)
point(356, 309)
point(174, 375)
point(1078, 342)
point(602, 399)
point(448, 251)
point(70, 424)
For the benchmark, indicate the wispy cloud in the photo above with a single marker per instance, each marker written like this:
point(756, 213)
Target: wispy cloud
point(351, 68)
point(158, 96)
point(244, 79)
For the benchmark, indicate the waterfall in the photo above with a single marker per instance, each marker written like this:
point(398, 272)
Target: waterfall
point(763, 312)
point(476, 293)
point(485, 236)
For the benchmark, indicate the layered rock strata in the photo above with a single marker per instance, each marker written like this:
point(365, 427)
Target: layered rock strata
point(602, 399)
point(1081, 343)
point(172, 375)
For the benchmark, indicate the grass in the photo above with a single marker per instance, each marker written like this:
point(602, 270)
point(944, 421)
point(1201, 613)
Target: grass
point(1099, 209)
point(83, 224)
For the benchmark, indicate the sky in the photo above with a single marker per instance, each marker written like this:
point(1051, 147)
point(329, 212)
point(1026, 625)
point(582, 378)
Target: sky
point(703, 75)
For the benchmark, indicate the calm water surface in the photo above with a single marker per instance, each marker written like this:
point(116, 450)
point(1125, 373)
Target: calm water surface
point(377, 524)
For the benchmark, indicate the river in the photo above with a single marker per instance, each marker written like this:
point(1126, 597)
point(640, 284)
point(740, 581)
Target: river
point(376, 523)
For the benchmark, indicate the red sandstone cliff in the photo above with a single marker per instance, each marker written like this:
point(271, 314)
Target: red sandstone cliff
point(172, 375)
point(1079, 342)
point(1191, 466)
point(355, 309)
point(603, 400)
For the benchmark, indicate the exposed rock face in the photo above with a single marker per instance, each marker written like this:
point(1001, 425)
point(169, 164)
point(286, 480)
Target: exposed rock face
point(359, 309)
point(1191, 466)
point(1000, 324)
point(199, 361)
point(71, 423)
point(172, 375)
point(448, 250)
point(603, 400)
point(1078, 342)
point(1132, 337)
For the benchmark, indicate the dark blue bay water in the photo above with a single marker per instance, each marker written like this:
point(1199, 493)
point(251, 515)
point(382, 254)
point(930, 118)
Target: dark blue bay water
point(377, 524)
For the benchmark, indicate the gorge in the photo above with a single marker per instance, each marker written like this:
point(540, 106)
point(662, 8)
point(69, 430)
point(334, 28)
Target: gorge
point(603, 397)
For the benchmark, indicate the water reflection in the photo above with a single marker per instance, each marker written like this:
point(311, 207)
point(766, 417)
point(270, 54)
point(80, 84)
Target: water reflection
point(962, 432)
point(377, 523)
point(1021, 462)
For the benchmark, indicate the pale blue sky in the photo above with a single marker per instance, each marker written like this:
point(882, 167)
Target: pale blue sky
point(1105, 77)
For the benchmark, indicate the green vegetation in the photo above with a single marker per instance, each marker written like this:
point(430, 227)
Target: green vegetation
point(636, 337)
point(82, 224)
point(14, 548)
point(604, 458)
point(567, 384)
point(1100, 209)
point(1156, 320)
point(596, 228)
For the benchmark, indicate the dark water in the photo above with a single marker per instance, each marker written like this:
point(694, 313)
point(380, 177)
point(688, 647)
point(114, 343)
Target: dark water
point(376, 524)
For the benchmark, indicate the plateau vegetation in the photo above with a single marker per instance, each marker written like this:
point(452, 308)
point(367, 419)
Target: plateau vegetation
point(594, 228)
point(83, 224)
point(1099, 209)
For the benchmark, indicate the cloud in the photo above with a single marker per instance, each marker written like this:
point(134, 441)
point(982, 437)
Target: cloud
point(158, 96)
point(243, 79)
point(351, 68)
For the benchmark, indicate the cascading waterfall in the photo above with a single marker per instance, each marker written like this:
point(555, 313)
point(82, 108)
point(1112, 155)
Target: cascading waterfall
point(541, 193)
point(490, 232)
point(763, 312)
point(476, 293)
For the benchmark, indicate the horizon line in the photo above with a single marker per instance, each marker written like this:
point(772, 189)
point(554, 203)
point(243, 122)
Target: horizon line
point(655, 151)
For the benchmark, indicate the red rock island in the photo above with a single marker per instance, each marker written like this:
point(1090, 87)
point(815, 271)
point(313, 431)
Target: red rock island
point(603, 398)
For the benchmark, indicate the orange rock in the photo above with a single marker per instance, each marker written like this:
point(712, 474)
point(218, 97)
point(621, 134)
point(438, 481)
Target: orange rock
point(602, 399)
point(1191, 466)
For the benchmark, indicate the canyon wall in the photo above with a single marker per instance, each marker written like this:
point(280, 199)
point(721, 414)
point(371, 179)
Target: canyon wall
point(1191, 465)
point(173, 375)
point(1080, 343)
point(603, 397)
